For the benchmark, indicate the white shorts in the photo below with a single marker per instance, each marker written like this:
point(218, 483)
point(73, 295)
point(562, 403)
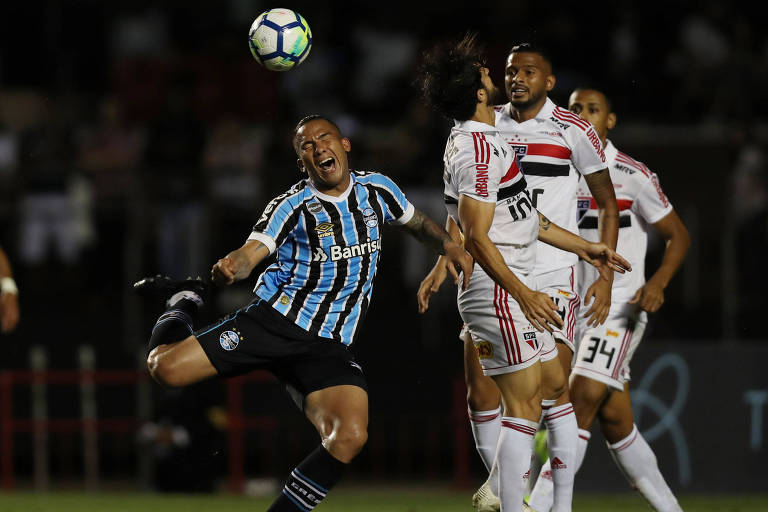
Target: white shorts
point(505, 341)
point(560, 285)
point(605, 351)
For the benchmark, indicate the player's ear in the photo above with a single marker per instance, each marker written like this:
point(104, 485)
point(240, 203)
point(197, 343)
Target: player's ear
point(610, 121)
point(482, 95)
point(346, 144)
point(550, 81)
point(300, 165)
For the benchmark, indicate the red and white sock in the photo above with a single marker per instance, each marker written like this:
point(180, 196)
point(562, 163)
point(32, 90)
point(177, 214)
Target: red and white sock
point(638, 463)
point(542, 495)
point(513, 457)
point(486, 426)
point(562, 438)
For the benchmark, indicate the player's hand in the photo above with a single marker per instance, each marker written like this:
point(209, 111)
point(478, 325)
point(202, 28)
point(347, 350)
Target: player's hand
point(605, 260)
point(650, 297)
point(9, 311)
point(539, 309)
point(458, 260)
point(599, 295)
point(224, 271)
point(431, 283)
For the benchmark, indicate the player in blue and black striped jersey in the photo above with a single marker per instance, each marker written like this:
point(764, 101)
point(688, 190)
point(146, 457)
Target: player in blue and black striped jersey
point(310, 303)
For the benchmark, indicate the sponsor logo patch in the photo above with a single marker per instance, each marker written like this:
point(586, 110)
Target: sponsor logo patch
point(609, 332)
point(314, 207)
point(564, 294)
point(324, 229)
point(557, 463)
point(484, 349)
point(229, 340)
point(285, 300)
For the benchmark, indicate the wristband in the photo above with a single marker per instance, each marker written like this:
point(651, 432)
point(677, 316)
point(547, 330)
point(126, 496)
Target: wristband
point(8, 285)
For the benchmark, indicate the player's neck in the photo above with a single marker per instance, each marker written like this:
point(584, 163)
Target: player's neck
point(484, 114)
point(526, 112)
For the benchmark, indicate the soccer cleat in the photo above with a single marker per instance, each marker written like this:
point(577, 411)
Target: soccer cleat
point(165, 287)
point(484, 500)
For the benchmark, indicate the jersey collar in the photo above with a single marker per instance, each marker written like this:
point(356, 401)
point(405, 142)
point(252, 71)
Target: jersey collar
point(473, 126)
point(333, 199)
point(544, 113)
point(610, 151)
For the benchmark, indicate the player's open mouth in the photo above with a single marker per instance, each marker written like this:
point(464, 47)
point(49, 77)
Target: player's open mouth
point(519, 90)
point(328, 165)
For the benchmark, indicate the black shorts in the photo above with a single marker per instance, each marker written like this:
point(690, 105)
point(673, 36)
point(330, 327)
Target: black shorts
point(258, 337)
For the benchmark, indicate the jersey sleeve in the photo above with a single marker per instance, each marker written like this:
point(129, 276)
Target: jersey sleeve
point(476, 172)
point(587, 152)
point(651, 202)
point(277, 221)
point(395, 206)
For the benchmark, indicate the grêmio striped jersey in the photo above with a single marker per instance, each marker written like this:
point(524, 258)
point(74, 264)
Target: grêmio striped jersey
point(327, 251)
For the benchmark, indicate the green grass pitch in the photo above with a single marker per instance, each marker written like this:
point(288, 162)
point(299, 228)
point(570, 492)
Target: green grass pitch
point(344, 499)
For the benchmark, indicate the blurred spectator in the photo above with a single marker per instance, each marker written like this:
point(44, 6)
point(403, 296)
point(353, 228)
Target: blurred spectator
point(55, 209)
point(173, 184)
point(109, 152)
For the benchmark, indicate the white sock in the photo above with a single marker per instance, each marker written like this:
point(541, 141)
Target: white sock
point(542, 495)
point(513, 457)
point(486, 426)
point(638, 463)
point(184, 294)
point(562, 438)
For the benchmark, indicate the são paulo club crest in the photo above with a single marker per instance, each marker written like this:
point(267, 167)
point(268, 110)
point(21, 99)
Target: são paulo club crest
point(229, 340)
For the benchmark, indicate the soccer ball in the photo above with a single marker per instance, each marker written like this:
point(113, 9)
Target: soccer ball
point(280, 39)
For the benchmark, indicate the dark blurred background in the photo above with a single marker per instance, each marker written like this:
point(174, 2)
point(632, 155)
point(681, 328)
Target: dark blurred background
point(141, 137)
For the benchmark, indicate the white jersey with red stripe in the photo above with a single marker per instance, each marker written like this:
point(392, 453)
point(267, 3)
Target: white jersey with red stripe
point(479, 165)
point(641, 203)
point(555, 148)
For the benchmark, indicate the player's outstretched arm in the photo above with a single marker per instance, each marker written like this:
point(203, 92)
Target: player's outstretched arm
point(438, 239)
point(650, 296)
point(476, 218)
point(431, 283)
point(9, 300)
point(239, 263)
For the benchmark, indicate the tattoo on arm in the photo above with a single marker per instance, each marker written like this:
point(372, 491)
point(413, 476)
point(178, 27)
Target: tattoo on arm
point(544, 222)
point(428, 232)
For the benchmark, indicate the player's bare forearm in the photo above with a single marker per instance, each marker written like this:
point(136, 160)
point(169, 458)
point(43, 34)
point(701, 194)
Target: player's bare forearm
point(428, 232)
point(601, 187)
point(552, 234)
point(239, 264)
point(672, 229)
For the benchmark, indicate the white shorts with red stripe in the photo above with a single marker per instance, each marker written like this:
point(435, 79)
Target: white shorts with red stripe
point(560, 285)
point(505, 341)
point(605, 351)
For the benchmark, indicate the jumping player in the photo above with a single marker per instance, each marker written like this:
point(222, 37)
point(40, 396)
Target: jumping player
point(600, 375)
point(487, 198)
point(326, 233)
point(555, 148)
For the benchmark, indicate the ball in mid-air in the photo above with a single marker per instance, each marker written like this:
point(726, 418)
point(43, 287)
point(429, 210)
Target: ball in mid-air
point(280, 39)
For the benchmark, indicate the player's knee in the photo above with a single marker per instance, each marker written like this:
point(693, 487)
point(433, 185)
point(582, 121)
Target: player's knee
point(483, 395)
point(347, 441)
point(163, 370)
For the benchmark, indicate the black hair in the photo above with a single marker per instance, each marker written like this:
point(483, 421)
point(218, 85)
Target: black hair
point(590, 87)
point(308, 119)
point(533, 48)
point(449, 77)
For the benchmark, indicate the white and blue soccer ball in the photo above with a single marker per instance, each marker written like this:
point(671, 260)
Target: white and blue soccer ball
point(280, 39)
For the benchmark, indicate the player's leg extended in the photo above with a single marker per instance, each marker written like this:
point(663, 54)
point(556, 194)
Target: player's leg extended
point(340, 415)
point(632, 453)
point(180, 364)
point(521, 395)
